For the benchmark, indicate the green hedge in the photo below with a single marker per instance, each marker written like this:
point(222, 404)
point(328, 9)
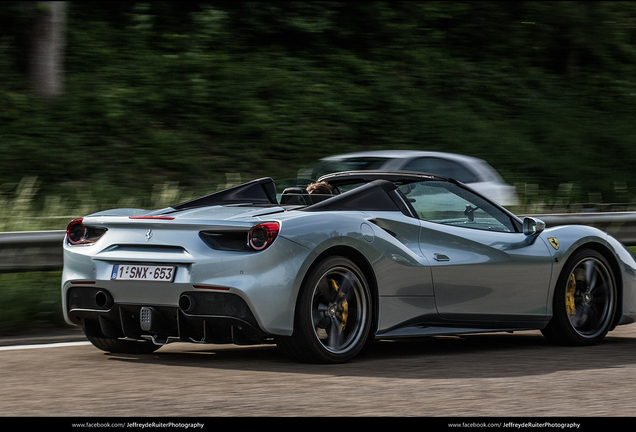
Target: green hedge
point(163, 92)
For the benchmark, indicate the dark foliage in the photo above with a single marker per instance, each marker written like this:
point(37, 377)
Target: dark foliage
point(186, 92)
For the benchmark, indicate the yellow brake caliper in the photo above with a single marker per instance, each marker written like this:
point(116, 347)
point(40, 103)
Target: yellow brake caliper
point(344, 308)
point(569, 295)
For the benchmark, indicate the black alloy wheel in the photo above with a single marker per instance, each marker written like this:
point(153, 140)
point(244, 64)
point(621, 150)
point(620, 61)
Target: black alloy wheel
point(333, 316)
point(584, 302)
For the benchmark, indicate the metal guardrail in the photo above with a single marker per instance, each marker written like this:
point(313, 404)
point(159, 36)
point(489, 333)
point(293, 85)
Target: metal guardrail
point(31, 251)
point(42, 250)
point(620, 225)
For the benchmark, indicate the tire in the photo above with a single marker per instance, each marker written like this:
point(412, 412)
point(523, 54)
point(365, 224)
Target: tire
point(584, 301)
point(333, 314)
point(119, 346)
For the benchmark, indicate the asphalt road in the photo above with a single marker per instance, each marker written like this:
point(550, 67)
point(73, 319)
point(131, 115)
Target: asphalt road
point(479, 375)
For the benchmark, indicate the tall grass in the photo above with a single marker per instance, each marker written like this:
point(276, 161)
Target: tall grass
point(22, 209)
point(20, 212)
point(30, 301)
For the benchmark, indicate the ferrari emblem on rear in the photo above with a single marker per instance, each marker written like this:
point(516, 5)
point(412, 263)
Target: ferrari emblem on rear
point(554, 242)
point(149, 235)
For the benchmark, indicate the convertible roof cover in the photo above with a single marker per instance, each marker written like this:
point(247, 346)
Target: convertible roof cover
point(379, 192)
point(261, 191)
point(378, 195)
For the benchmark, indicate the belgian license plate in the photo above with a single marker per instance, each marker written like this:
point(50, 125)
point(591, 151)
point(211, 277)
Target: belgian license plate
point(134, 272)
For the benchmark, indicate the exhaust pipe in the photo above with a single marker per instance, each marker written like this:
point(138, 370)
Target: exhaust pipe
point(187, 303)
point(103, 299)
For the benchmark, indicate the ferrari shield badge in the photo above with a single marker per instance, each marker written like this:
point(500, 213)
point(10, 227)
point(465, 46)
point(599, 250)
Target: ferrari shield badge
point(554, 242)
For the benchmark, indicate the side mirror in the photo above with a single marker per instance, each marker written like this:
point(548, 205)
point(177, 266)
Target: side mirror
point(532, 226)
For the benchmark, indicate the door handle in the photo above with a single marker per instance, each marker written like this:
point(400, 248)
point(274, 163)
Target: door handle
point(441, 257)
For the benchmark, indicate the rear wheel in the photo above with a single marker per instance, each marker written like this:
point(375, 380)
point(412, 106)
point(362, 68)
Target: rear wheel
point(333, 315)
point(584, 301)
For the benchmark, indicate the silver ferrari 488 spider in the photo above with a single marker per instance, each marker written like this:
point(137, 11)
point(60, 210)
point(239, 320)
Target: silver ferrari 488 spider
point(383, 255)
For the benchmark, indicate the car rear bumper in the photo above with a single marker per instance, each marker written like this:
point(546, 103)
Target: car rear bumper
point(204, 317)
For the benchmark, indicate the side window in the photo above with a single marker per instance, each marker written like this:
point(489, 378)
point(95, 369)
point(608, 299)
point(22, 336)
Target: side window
point(449, 204)
point(443, 167)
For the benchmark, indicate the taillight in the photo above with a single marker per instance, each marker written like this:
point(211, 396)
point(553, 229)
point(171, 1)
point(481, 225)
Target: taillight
point(261, 236)
point(79, 234)
point(75, 231)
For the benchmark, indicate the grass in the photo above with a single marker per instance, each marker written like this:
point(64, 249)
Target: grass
point(23, 210)
point(30, 301)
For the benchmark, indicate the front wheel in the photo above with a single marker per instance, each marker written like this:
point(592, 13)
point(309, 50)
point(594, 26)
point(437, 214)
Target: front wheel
point(333, 314)
point(584, 301)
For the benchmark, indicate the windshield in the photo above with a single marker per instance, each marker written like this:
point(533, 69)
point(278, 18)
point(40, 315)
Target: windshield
point(449, 204)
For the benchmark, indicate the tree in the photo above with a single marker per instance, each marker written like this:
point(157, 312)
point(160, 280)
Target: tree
point(46, 57)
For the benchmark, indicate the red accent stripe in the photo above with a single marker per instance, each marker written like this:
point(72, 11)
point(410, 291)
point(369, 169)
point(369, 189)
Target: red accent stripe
point(151, 217)
point(211, 287)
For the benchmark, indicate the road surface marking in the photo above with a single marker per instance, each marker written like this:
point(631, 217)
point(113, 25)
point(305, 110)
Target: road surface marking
point(50, 345)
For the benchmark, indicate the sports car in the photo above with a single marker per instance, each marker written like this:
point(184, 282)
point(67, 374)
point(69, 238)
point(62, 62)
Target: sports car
point(382, 255)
